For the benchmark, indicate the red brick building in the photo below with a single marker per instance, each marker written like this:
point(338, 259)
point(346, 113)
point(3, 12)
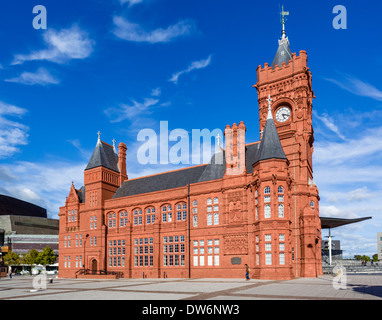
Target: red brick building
point(259, 207)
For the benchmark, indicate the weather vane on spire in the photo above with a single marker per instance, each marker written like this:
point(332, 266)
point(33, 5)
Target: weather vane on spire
point(283, 19)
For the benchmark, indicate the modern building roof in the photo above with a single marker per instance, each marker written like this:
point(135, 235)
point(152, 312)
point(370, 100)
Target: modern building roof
point(104, 155)
point(16, 207)
point(329, 222)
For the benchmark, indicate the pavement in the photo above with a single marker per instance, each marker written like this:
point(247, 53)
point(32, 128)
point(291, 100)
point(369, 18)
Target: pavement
point(326, 287)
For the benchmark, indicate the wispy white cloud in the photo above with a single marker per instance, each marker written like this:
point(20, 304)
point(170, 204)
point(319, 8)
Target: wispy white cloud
point(156, 92)
point(364, 147)
point(329, 123)
point(130, 111)
point(200, 64)
point(130, 2)
point(129, 31)
point(357, 86)
point(12, 133)
point(40, 77)
point(62, 46)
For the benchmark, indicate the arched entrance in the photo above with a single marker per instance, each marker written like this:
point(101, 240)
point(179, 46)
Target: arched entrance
point(94, 266)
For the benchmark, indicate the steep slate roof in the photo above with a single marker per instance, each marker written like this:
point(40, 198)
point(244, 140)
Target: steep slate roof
point(214, 170)
point(158, 182)
point(103, 156)
point(270, 145)
point(283, 54)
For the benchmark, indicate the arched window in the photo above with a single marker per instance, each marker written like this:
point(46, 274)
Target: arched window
point(281, 210)
point(216, 200)
point(209, 219)
point(312, 204)
point(267, 211)
point(209, 201)
point(194, 203)
point(280, 189)
point(216, 218)
point(164, 208)
point(267, 190)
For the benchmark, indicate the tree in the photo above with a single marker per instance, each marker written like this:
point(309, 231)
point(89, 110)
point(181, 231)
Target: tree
point(46, 256)
point(31, 257)
point(12, 258)
point(375, 257)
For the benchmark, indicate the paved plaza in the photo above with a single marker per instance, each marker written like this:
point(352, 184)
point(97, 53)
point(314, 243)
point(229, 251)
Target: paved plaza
point(357, 286)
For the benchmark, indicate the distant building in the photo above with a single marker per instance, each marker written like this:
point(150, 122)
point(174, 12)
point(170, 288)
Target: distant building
point(336, 250)
point(379, 245)
point(25, 226)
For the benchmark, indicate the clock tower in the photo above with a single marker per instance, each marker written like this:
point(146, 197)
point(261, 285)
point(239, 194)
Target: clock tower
point(288, 83)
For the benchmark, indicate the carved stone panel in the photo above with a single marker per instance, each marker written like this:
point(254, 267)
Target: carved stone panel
point(236, 244)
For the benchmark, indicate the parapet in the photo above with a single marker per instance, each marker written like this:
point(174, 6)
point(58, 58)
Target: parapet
point(296, 64)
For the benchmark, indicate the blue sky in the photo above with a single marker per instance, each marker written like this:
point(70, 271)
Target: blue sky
point(120, 66)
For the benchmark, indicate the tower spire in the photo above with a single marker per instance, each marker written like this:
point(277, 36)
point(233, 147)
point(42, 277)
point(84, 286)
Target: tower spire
point(283, 53)
point(283, 14)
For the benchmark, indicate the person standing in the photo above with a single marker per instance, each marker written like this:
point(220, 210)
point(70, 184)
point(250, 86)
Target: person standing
point(246, 272)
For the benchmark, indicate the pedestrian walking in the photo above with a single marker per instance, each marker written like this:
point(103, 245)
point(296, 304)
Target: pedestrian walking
point(246, 272)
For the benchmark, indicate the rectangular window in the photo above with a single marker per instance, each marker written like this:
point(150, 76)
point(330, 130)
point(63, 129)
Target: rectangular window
point(195, 220)
point(268, 259)
point(268, 247)
point(282, 258)
point(281, 246)
point(216, 260)
point(267, 198)
point(195, 261)
point(268, 237)
point(209, 260)
point(201, 260)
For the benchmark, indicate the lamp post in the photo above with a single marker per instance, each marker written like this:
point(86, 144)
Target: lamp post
point(86, 238)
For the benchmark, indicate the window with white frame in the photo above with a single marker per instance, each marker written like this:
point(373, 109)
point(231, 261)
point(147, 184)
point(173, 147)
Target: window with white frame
point(281, 210)
point(216, 218)
point(195, 220)
point(209, 219)
point(267, 190)
point(267, 211)
point(268, 258)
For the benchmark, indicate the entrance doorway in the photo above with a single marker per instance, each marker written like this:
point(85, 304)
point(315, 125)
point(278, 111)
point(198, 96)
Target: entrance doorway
point(94, 266)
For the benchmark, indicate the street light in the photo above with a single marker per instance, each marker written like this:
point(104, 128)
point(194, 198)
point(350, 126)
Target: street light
point(86, 238)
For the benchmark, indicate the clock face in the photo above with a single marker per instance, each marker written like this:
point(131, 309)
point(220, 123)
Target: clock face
point(282, 114)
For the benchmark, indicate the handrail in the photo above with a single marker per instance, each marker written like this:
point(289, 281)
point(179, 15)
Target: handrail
point(98, 272)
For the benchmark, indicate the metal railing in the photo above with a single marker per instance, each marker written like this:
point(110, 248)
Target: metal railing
point(98, 272)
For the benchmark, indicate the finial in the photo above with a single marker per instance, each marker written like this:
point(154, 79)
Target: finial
point(99, 135)
point(115, 150)
point(269, 107)
point(218, 139)
point(283, 14)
